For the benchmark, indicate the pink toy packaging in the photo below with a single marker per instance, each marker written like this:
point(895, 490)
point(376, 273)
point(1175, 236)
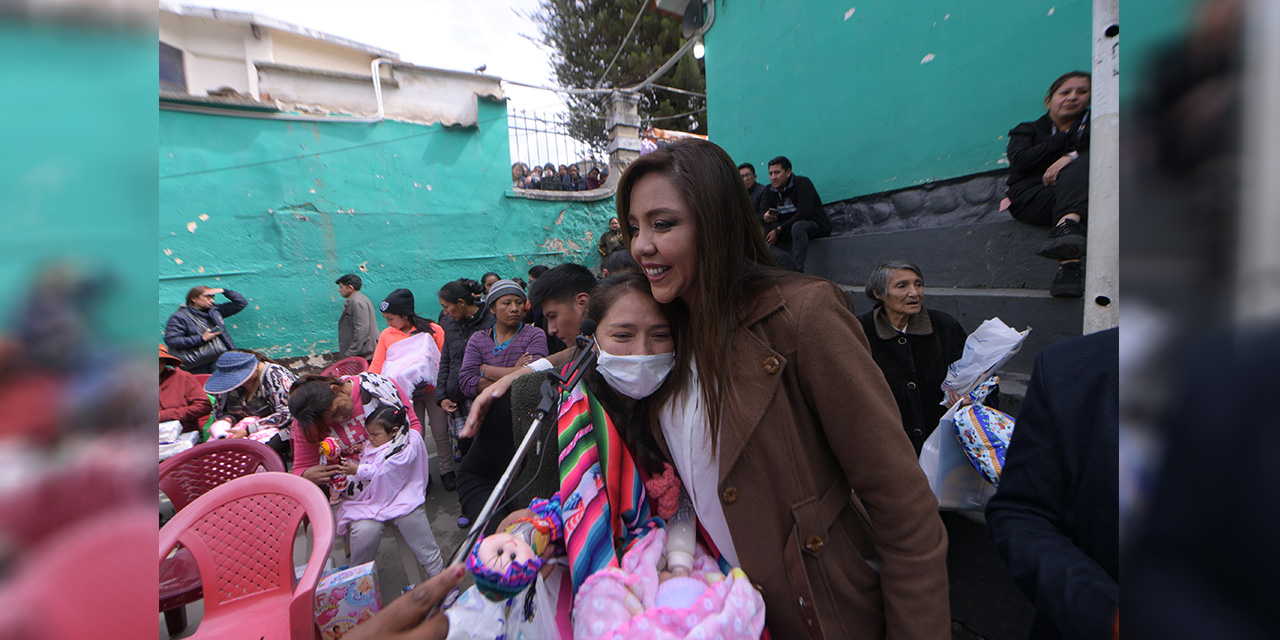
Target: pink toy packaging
point(346, 598)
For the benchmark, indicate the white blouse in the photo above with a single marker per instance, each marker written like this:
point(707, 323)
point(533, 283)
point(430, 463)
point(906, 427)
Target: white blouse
point(685, 428)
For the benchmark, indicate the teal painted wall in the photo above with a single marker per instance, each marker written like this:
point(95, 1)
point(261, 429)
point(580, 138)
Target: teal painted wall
point(846, 97)
point(282, 209)
point(78, 172)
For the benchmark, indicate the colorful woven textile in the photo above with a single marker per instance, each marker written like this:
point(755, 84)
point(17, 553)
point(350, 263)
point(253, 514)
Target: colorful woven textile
point(604, 503)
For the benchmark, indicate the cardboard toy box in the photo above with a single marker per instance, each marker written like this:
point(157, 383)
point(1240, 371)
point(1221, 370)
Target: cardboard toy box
point(346, 598)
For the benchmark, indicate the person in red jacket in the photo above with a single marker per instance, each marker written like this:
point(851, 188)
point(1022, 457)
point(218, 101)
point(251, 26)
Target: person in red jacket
point(182, 397)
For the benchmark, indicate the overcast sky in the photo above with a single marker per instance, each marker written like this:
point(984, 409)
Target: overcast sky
point(448, 34)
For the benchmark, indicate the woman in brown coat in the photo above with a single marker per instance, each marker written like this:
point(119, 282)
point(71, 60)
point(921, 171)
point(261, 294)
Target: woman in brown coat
point(775, 413)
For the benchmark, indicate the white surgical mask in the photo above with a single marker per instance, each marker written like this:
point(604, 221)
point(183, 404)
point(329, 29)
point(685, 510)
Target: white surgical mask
point(635, 377)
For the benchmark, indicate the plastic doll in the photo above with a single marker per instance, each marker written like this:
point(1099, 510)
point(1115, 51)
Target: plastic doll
point(505, 563)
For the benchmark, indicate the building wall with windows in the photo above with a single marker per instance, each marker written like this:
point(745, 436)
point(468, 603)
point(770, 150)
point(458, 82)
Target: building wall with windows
point(278, 210)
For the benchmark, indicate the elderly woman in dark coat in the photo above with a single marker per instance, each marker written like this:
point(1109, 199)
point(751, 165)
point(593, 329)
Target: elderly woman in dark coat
point(912, 345)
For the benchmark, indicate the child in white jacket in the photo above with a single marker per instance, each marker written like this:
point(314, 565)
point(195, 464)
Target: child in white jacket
point(394, 471)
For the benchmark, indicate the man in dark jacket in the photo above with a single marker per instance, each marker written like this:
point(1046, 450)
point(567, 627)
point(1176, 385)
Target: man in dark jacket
point(200, 321)
point(792, 214)
point(1055, 519)
point(754, 189)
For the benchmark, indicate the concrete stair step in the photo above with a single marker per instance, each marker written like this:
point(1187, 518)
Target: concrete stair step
point(980, 256)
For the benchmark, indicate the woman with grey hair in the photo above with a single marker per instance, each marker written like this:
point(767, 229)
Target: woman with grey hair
point(912, 345)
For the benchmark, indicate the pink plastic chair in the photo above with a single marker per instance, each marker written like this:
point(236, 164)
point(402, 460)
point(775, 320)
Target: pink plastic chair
point(85, 583)
point(346, 367)
point(241, 536)
point(185, 477)
point(192, 473)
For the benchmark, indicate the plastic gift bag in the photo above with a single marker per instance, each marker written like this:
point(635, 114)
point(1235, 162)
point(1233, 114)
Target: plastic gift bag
point(952, 477)
point(984, 433)
point(985, 350)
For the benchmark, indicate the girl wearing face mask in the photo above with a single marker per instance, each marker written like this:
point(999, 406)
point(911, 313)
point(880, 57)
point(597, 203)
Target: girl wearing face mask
point(603, 457)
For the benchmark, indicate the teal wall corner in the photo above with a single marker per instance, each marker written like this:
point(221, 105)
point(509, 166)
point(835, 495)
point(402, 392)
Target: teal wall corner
point(279, 210)
point(876, 96)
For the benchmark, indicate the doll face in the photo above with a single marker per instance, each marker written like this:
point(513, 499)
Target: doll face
point(500, 550)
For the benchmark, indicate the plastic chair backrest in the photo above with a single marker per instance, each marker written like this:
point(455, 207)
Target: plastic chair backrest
point(89, 581)
point(192, 473)
point(241, 537)
point(346, 367)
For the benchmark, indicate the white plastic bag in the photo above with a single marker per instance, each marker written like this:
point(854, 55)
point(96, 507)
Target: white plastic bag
point(184, 442)
point(475, 617)
point(169, 431)
point(985, 350)
point(958, 486)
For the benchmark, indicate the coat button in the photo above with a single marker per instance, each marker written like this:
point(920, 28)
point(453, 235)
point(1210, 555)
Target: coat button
point(902, 340)
point(917, 433)
point(813, 544)
point(759, 587)
point(730, 495)
point(772, 365)
point(911, 386)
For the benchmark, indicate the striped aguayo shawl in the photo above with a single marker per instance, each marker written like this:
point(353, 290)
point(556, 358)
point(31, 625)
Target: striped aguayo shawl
point(605, 508)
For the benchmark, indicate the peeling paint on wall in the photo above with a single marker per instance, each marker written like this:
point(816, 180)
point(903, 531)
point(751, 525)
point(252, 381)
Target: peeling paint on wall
point(404, 236)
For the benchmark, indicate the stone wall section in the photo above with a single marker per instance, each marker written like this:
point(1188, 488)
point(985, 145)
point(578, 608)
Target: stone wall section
point(973, 199)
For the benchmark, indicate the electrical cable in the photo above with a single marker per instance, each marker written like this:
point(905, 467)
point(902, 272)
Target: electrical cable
point(622, 46)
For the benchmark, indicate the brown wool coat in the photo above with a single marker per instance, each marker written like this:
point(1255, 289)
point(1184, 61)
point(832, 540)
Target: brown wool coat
point(809, 419)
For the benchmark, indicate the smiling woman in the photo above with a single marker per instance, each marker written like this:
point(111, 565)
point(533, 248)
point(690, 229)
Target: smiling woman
point(777, 414)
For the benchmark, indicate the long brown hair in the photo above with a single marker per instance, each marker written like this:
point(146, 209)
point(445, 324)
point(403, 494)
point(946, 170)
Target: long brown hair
point(731, 253)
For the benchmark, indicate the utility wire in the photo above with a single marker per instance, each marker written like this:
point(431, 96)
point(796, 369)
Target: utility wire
point(675, 90)
point(643, 6)
point(678, 115)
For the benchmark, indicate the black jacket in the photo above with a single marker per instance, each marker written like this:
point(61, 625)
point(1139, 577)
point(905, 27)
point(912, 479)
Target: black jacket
point(182, 332)
point(799, 190)
point(456, 335)
point(915, 364)
point(1033, 146)
point(1055, 519)
point(756, 193)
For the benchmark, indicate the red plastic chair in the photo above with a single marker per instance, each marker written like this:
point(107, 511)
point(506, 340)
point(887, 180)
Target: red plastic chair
point(346, 367)
point(85, 583)
point(241, 536)
point(192, 473)
point(184, 478)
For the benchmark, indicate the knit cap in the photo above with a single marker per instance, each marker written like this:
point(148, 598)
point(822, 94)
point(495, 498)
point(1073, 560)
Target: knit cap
point(506, 288)
point(398, 302)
